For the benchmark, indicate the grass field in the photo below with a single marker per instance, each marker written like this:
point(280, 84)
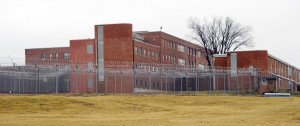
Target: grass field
point(148, 110)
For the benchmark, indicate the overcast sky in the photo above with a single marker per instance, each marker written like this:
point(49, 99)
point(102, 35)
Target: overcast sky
point(52, 23)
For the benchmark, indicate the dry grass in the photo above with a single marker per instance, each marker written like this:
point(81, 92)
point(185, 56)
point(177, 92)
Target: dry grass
point(148, 110)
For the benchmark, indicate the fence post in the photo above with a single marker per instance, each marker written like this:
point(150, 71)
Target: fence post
point(150, 81)
point(238, 85)
point(133, 78)
point(106, 82)
point(210, 84)
point(260, 85)
point(196, 82)
point(181, 85)
point(56, 82)
point(161, 80)
point(115, 81)
point(166, 82)
point(121, 82)
point(76, 75)
point(19, 82)
point(250, 82)
point(36, 79)
point(224, 83)
point(96, 80)
point(186, 82)
point(174, 82)
point(242, 83)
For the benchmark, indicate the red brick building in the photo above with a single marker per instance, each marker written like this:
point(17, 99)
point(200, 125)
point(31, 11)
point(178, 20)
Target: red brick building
point(118, 43)
point(286, 76)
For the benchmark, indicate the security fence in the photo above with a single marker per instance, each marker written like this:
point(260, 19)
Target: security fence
point(18, 76)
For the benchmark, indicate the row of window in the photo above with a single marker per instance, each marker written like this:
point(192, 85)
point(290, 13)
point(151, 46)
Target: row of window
point(181, 48)
point(66, 56)
point(282, 68)
point(169, 58)
point(154, 86)
point(150, 53)
point(281, 83)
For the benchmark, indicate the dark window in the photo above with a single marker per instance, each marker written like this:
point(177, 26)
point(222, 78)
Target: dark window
point(43, 56)
point(50, 56)
point(153, 85)
point(67, 55)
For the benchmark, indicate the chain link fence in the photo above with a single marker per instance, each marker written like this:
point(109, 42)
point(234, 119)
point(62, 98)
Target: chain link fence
point(18, 76)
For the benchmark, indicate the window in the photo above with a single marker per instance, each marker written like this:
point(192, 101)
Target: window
point(153, 55)
point(90, 65)
point(149, 53)
point(166, 58)
point(181, 61)
point(174, 45)
point(194, 52)
point(270, 82)
point(145, 84)
point(145, 52)
point(156, 55)
point(189, 50)
point(43, 56)
point(271, 63)
point(90, 83)
point(275, 62)
point(180, 48)
point(153, 86)
point(166, 43)
point(299, 74)
point(199, 53)
point(157, 85)
point(169, 58)
point(136, 50)
point(264, 82)
point(290, 73)
point(163, 57)
point(136, 83)
point(56, 55)
point(50, 56)
point(90, 49)
point(141, 51)
point(67, 55)
point(141, 84)
point(174, 60)
point(285, 70)
point(201, 66)
point(163, 42)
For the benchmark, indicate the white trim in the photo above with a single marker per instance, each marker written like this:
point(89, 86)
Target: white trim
point(137, 40)
point(282, 61)
point(220, 55)
point(283, 77)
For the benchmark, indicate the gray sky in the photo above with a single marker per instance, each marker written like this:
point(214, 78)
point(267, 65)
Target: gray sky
point(52, 23)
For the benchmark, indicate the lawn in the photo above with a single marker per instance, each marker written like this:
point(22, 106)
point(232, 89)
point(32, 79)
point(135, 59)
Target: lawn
point(148, 110)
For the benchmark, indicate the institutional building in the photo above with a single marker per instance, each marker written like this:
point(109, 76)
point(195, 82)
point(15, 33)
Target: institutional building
point(118, 43)
point(277, 74)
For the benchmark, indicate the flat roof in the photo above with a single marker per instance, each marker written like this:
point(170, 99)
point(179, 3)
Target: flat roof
point(49, 48)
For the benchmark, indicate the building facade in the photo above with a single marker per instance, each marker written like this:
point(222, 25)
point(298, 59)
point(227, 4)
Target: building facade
point(116, 43)
point(277, 74)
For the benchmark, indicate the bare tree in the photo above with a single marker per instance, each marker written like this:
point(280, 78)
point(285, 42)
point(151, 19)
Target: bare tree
point(220, 36)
